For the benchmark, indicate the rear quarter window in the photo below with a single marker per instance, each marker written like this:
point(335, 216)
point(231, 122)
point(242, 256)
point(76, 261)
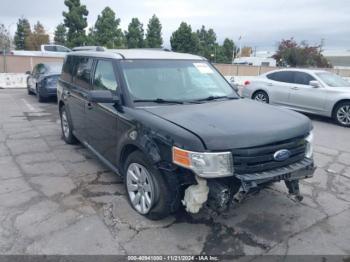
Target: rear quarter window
point(50, 48)
point(67, 69)
point(82, 72)
point(283, 76)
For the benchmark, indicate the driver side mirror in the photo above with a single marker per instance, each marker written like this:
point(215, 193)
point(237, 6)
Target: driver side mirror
point(28, 72)
point(315, 84)
point(102, 96)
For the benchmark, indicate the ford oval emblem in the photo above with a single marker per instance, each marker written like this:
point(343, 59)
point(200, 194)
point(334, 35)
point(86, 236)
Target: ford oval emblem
point(281, 155)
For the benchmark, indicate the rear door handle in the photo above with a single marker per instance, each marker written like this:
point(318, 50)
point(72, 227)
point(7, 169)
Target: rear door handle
point(89, 105)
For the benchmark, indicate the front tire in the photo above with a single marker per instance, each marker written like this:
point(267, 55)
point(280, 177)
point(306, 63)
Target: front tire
point(341, 114)
point(149, 192)
point(261, 96)
point(67, 128)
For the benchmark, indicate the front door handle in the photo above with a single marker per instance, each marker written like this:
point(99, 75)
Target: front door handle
point(295, 88)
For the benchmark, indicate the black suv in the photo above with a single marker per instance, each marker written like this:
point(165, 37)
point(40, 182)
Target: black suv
point(175, 129)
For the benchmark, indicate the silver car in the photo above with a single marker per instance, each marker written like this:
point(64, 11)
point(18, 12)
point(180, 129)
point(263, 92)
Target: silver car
point(311, 91)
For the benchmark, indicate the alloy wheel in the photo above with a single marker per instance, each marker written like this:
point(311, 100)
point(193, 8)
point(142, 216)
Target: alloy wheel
point(65, 124)
point(343, 115)
point(140, 188)
point(261, 97)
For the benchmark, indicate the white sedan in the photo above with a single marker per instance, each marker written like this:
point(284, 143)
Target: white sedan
point(311, 91)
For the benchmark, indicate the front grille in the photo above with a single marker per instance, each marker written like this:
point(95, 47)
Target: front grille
point(259, 159)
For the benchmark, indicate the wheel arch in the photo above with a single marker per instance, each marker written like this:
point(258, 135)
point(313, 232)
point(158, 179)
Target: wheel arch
point(259, 90)
point(126, 151)
point(150, 150)
point(339, 102)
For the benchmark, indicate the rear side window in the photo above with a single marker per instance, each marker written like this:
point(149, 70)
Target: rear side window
point(302, 78)
point(283, 76)
point(104, 78)
point(61, 49)
point(50, 48)
point(67, 69)
point(82, 71)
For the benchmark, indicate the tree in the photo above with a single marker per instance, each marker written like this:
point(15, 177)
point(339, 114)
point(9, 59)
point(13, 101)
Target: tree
point(228, 50)
point(154, 33)
point(106, 31)
point(22, 33)
point(134, 35)
point(90, 39)
point(5, 40)
point(37, 38)
point(207, 42)
point(184, 40)
point(290, 53)
point(76, 22)
point(60, 35)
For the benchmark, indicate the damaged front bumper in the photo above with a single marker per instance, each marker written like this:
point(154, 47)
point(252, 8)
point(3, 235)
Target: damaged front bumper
point(296, 171)
point(219, 192)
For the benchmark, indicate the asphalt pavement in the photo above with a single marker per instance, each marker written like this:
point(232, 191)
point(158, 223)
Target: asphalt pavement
point(59, 199)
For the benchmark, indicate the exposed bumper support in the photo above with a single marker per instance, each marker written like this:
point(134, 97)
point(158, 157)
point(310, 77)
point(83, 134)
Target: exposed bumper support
point(221, 192)
point(300, 170)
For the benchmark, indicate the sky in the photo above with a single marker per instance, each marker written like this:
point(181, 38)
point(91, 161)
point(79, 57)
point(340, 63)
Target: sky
point(260, 23)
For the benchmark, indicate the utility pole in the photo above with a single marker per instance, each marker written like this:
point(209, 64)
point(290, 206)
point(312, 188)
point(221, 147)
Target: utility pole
point(7, 44)
point(240, 46)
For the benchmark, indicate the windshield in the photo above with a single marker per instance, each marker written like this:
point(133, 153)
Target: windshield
point(54, 68)
point(333, 79)
point(174, 80)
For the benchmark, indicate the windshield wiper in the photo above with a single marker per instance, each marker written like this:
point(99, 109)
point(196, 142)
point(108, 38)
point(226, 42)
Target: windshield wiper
point(159, 101)
point(210, 98)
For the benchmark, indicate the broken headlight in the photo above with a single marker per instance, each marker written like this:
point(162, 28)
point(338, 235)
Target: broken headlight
point(309, 145)
point(207, 165)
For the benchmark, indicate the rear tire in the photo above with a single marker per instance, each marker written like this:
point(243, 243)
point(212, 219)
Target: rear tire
point(161, 190)
point(41, 99)
point(67, 128)
point(341, 114)
point(261, 96)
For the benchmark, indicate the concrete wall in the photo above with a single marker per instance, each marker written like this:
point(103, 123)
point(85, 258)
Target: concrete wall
point(21, 64)
point(244, 70)
point(13, 80)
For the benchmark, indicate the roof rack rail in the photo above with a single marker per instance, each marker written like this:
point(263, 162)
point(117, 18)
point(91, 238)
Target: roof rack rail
point(89, 48)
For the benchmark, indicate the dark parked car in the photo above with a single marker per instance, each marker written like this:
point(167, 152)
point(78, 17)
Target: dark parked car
point(174, 128)
point(43, 80)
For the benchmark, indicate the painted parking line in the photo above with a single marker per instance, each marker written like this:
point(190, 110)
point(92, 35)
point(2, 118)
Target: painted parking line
point(29, 106)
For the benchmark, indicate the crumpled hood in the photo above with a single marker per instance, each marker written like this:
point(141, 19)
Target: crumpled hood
point(235, 123)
